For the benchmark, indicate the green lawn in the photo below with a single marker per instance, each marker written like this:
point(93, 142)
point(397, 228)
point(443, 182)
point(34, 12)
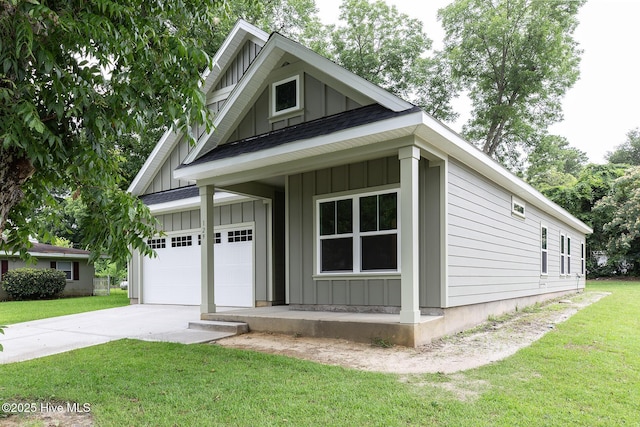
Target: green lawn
point(22, 311)
point(585, 372)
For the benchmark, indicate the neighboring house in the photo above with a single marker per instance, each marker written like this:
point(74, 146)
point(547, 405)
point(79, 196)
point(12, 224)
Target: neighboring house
point(333, 194)
point(73, 262)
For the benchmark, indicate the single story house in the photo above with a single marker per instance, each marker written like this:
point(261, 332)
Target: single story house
point(73, 262)
point(322, 191)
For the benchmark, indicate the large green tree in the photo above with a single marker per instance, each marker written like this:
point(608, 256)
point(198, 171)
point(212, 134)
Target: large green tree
point(621, 209)
point(516, 59)
point(629, 151)
point(593, 183)
point(75, 76)
point(554, 163)
point(390, 49)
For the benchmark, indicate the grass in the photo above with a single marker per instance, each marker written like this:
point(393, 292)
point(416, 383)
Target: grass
point(586, 372)
point(23, 311)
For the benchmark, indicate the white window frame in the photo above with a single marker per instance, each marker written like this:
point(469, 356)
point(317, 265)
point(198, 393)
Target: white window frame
point(356, 234)
point(518, 207)
point(568, 269)
point(544, 250)
point(65, 271)
point(563, 254)
point(582, 265)
point(298, 105)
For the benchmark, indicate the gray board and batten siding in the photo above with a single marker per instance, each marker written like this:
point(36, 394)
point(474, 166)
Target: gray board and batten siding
point(320, 100)
point(164, 180)
point(494, 254)
point(373, 292)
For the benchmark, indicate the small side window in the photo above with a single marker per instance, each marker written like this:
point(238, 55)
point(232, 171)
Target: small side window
point(518, 207)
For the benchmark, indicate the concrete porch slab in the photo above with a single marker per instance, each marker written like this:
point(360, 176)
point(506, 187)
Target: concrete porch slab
point(358, 327)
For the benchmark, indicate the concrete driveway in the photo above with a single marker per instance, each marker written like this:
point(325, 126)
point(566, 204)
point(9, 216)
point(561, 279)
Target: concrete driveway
point(38, 338)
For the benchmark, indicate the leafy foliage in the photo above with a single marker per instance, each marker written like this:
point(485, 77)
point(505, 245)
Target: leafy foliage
point(592, 184)
point(554, 163)
point(33, 284)
point(621, 208)
point(388, 48)
point(629, 151)
point(74, 78)
point(516, 59)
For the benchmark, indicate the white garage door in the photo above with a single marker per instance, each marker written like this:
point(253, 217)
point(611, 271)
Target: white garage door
point(174, 276)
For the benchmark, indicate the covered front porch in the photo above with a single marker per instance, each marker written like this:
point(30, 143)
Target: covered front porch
point(352, 326)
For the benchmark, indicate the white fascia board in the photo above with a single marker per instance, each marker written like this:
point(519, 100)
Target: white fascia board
point(47, 255)
point(379, 95)
point(154, 161)
point(175, 206)
point(277, 42)
point(255, 68)
point(357, 136)
point(219, 198)
point(240, 32)
point(457, 147)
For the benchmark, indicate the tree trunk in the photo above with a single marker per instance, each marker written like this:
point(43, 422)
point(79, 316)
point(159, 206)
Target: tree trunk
point(15, 170)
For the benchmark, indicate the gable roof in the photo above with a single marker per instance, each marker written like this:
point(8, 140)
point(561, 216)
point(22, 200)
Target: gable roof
point(249, 87)
point(391, 118)
point(234, 42)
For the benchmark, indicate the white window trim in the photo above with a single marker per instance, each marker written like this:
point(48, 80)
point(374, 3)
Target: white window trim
point(563, 254)
point(516, 204)
point(544, 250)
point(272, 95)
point(567, 270)
point(355, 235)
point(582, 264)
point(65, 271)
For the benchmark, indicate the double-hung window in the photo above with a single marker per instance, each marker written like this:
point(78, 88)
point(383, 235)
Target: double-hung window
point(582, 258)
point(544, 251)
point(358, 234)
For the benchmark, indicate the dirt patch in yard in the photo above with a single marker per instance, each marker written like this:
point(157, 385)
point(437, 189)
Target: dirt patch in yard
point(491, 341)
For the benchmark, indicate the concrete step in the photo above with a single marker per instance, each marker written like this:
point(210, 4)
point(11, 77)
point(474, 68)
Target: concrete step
point(235, 328)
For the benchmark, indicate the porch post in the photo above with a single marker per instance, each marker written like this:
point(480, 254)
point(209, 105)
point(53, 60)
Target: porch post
point(409, 235)
point(207, 304)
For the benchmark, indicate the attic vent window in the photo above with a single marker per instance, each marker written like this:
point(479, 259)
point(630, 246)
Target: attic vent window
point(285, 96)
point(517, 207)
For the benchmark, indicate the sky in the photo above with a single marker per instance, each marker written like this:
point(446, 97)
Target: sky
point(604, 104)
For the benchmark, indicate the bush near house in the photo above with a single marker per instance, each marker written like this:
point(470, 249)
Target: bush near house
point(33, 284)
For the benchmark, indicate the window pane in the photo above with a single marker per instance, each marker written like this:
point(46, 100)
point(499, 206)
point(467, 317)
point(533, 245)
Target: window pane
point(379, 252)
point(544, 238)
point(327, 218)
point(544, 262)
point(369, 213)
point(286, 95)
point(561, 264)
point(345, 216)
point(388, 211)
point(568, 245)
point(337, 254)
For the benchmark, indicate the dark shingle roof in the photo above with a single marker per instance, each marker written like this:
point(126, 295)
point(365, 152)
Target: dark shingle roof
point(43, 248)
point(323, 126)
point(170, 195)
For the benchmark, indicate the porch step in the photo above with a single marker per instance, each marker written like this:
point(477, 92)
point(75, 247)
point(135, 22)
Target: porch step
point(234, 328)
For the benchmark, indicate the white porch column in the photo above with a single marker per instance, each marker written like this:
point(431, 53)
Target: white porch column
point(207, 304)
point(409, 235)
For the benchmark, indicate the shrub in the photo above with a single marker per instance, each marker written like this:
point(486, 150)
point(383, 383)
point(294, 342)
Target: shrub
point(31, 283)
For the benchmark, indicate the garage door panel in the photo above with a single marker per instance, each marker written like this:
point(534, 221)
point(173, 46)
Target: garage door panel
point(174, 276)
